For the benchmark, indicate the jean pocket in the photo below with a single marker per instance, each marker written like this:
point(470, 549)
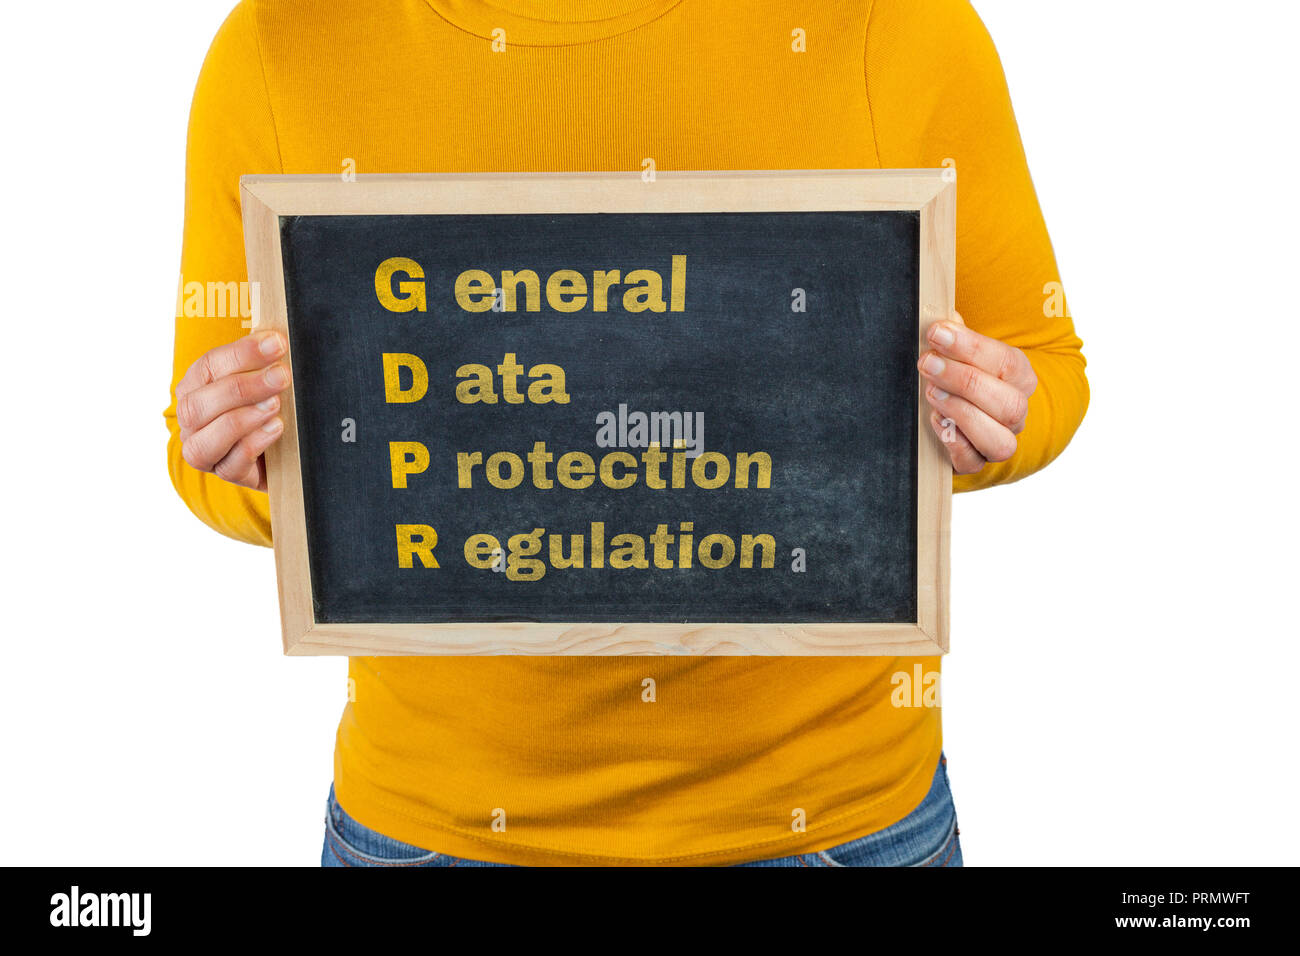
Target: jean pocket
point(925, 837)
point(349, 843)
point(949, 854)
point(885, 849)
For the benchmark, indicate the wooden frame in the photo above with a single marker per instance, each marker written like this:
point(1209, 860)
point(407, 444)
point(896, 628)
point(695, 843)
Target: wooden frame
point(931, 192)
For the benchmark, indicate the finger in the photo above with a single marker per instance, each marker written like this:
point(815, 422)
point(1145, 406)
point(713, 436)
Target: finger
point(244, 355)
point(993, 440)
point(242, 465)
point(196, 409)
point(965, 459)
point(953, 340)
point(211, 443)
point(998, 399)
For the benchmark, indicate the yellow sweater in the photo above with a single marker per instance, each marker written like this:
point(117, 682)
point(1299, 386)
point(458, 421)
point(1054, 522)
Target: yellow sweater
point(586, 772)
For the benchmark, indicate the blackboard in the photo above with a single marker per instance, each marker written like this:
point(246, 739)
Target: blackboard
point(579, 428)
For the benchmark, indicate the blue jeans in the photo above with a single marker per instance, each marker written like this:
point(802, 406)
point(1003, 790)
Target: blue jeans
point(927, 836)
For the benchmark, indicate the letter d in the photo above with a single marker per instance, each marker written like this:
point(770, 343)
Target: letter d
point(394, 362)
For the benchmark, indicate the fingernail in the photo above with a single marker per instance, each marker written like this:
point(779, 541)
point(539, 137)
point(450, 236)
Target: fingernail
point(273, 426)
point(942, 335)
point(270, 345)
point(268, 405)
point(939, 394)
point(932, 365)
point(276, 376)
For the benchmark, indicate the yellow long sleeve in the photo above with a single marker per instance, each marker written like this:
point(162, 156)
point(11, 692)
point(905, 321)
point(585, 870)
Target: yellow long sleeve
point(231, 133)
point(938, 96)
point(586, 771)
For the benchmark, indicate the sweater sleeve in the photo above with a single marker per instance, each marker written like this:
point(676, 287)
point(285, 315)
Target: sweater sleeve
point(937, 92)
point(231, 132)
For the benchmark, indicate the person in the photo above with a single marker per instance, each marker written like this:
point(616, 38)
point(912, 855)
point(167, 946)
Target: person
point(742, 760)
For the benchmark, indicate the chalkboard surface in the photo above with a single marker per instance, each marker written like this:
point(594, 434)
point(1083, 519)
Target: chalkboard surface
point(789, 334)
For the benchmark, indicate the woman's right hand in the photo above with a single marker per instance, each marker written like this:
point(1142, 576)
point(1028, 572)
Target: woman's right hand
point(227, 405)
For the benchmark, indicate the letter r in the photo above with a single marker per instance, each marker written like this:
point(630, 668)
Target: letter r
point(413, 540)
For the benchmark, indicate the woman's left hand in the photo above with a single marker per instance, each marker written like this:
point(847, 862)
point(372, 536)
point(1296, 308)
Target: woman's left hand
point(979, 392)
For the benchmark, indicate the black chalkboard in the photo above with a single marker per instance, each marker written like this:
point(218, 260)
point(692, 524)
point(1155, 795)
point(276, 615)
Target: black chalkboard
point(829, 391)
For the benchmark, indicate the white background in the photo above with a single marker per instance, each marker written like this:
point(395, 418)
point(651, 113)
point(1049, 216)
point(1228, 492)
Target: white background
point(1119, 689)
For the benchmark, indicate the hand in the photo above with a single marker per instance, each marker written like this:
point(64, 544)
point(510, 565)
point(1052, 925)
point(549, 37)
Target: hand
point(226, 407)
point(979, 392)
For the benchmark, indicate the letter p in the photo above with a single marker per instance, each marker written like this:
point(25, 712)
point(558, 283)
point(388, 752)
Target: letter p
point(406, 458)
